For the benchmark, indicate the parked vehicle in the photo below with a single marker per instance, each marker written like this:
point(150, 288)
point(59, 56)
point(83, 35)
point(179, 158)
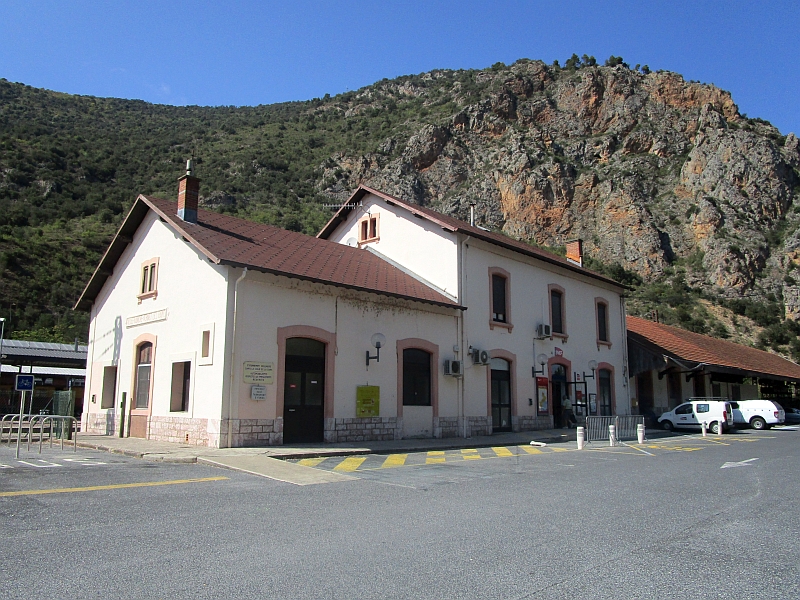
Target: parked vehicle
point(696, 411)
point(792, 416)
point(758, 414)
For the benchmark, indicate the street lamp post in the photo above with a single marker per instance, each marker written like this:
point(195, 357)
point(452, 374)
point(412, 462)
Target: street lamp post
point(2, 333)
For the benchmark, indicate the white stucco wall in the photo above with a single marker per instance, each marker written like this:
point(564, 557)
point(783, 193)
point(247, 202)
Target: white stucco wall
point(268, 302)
point(193, 293)
point(418, 245)
point(528, 300)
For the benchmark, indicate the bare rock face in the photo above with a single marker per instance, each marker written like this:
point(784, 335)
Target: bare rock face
point(648, 169)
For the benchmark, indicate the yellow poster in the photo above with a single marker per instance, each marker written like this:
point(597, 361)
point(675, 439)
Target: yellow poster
point(368, 401)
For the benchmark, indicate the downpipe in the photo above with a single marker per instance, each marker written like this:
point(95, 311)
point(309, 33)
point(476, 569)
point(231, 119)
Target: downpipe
point(233, 355)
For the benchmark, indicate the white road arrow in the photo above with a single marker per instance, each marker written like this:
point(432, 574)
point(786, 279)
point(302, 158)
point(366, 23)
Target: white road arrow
point(744, 463)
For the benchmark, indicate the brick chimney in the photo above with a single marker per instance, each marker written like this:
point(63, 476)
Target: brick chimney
point(575, 252)
point(188, 194)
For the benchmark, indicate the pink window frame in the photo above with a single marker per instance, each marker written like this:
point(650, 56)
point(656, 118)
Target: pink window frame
point(431, 349)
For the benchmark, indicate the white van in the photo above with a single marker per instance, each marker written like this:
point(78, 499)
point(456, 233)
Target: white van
point(696, 411)
point(759, 414)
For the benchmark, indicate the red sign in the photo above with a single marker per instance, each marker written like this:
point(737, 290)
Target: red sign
point(541, 381)
point(559, 351)
point(578, 395)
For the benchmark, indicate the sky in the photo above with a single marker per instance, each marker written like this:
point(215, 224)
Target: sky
point(251, 52)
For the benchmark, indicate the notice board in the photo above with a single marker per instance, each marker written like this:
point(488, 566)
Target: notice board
point(368, 401)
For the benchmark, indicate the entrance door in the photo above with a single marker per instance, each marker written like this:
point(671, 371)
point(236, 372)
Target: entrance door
point(304, 391)
point(501, 395)
point(558, 383)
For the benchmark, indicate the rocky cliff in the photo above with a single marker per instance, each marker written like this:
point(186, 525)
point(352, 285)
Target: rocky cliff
point(652, 171)
point(671, 188)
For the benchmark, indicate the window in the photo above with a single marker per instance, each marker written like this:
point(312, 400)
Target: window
point(699, 384)
point(368, 229)
point(716, 390)
point(144, 364)
point(109, 387)
point(684, 409)
point(736, 392)
point(604, 391)
point(148, 287)
point(416, 377)
point(558, 325)
point(206, 341)
point(205, 350)
point(499, 298)
point(601, 309)
point(181, 382)
point(674, 391)
point(702, 408)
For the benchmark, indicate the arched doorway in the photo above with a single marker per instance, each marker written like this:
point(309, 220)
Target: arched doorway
point(304, 391)
point(559, 391)
point(501, 394)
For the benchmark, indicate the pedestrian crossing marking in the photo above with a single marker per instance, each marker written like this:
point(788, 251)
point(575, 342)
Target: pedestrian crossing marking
point(394, 460)
point(435, 457)
point(531, 450)
point(350, 463)
point(311, 462)
point(470, 454)
point(502, 451)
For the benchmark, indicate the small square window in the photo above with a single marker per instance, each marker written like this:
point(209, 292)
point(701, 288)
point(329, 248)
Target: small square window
point(206, 344)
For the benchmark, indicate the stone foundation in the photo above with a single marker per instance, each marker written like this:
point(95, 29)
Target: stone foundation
point(531, 422)
point(246, 433)
point(478, 426)
point(446, 427)
point(179, 430)
point(104, 423)
point(365, 429)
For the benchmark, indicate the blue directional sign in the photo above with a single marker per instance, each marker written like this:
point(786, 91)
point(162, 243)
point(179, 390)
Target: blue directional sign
point(24, 383)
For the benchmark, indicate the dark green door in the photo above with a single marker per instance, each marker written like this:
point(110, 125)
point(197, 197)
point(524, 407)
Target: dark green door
point(304, 391)
point(501, 395)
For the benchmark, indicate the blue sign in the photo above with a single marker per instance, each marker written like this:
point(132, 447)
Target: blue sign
point(24, 383)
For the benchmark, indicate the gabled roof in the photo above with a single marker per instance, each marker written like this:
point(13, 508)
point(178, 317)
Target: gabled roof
point(457, 226)
point(235, 242)
point(702, 349)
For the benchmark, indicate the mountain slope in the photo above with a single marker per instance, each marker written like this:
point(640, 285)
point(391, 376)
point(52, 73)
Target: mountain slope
point(664, 180)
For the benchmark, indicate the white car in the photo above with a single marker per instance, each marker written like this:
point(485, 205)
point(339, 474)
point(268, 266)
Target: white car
point(693, 413)
point(759, 414)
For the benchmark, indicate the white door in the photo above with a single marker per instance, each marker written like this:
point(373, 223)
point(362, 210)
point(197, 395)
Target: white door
point(684, 417)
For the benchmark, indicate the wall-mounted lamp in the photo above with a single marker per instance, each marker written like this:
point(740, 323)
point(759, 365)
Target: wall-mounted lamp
point(377, 340)
point(593, 367)
point(541, 359)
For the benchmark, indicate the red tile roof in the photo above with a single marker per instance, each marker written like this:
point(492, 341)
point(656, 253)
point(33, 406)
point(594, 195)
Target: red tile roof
point(236, 242)
point(688, 346)
point(457, 226)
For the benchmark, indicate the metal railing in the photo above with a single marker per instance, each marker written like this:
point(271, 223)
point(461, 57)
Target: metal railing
point(625, 426)
point(24, 426)
point(62, 421)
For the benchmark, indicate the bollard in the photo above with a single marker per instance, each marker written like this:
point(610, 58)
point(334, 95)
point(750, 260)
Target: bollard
point(612, 438)
point(704, 427)
point(719, 429)
point(640, 433)
point(581, 437)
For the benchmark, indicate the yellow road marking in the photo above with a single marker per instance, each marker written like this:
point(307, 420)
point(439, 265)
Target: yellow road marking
point(350, 464)
point(311, 462)
point(394, 460)
point(434, 457)
point(501, 451)
point(470, 454)
point(561, 449)
point(116, 486)
point(531, 450)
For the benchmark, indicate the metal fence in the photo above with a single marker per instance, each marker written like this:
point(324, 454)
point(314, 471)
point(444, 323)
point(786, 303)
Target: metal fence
point(625, 425)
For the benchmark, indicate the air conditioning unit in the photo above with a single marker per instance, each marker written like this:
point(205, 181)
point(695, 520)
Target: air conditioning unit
point(480, 357)
point(454, 368)
point(542, 331)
